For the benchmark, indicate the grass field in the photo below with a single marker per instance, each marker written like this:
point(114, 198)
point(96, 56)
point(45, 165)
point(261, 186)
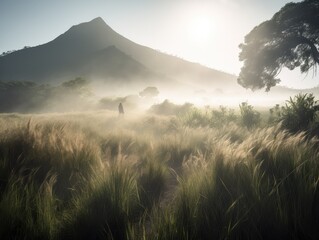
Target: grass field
point(97, 176)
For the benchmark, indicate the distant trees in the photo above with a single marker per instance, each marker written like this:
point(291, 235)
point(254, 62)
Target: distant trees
point(149, 92)
point(7, 52)
point(169, 108)
point(289, 39)
point(78, 86)
point(11, 51)
point(30, 96)
point(22, 96)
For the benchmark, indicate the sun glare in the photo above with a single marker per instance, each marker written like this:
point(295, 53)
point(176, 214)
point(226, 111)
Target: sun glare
point(200, 28)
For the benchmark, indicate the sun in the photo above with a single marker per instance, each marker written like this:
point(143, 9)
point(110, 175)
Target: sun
point(200, 28)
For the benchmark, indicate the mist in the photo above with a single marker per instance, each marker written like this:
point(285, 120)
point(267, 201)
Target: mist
point(138, 95)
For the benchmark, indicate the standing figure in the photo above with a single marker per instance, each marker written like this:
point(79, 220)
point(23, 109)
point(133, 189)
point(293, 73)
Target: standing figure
point(121, 109)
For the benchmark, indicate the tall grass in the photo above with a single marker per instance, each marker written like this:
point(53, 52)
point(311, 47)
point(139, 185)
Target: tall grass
point(263, 188)
point(29, 211)
point(94, 176)
point(107, 209)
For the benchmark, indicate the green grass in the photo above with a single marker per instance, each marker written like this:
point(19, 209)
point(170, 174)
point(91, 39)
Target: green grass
point(95, 176)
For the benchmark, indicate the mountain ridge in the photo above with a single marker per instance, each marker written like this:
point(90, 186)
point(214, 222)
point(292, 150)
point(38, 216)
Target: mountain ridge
point(55, 60)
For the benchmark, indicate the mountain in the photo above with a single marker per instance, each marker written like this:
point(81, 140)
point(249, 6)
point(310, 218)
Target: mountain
point(111, 62)
point(96, 51)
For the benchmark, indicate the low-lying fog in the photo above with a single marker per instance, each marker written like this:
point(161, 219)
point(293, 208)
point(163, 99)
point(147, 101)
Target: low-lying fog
point(82, 95)
point(198, 96)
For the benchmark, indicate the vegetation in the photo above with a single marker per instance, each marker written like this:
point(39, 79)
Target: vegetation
point(32, 97)
point(298, 114)
point(201, 174)
point(289, 39)
point(149, 92)
point(249, 116)
point(169, 108)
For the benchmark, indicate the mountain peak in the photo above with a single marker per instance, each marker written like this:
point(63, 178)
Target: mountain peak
point(97, 20)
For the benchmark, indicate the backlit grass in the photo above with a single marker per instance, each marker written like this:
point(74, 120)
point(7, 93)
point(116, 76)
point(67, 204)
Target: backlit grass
point(97, 176)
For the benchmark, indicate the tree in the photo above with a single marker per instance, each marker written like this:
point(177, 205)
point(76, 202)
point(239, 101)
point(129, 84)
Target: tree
point(289, 39)
point(78, 86)
point(149, 92)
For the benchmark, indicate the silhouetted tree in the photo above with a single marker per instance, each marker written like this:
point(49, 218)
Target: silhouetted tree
point(289, 39)
point(149, 92)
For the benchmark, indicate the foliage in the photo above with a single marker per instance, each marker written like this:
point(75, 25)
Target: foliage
point(247, 191)
point(289, 39)
point(93, 176)
point(29, 210)
point(22, 96)
point(169, 108)
point(249, 117)
point(78, 86)
point(223, 116)
point(32, 97)
point(149, 92)
point(152, 181)
point(299, 113)
point(210, 117)
point(274, 114)
point(107, 209)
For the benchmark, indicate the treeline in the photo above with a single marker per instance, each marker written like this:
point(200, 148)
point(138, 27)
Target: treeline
point(27, 97)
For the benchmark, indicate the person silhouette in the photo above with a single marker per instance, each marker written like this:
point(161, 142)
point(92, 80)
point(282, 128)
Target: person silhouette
point(121, 109)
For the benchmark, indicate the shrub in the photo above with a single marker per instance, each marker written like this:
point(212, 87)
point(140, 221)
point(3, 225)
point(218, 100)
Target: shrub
point(223, 116)
point(169, 108)
point(299, 113)
point(274, 114)
point(213, 118)
point(249, 117)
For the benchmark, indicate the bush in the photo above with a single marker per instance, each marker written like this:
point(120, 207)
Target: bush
point(223, 116)
point(169, 108)
point(209, 118)
point(299, 113)
point(274, 114)
point(249, 117)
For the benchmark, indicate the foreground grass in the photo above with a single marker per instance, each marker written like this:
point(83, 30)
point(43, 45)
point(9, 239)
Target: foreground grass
point(95, 176)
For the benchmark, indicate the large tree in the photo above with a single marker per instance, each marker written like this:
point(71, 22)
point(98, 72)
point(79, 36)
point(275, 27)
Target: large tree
point(289, 39)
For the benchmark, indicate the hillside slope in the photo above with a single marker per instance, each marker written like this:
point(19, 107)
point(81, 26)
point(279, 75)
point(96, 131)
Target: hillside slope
point(71, 53)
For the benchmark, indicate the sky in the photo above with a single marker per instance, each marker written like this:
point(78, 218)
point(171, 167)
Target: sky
point(203, 31)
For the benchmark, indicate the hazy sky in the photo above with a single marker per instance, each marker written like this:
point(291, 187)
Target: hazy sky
point(203, 31)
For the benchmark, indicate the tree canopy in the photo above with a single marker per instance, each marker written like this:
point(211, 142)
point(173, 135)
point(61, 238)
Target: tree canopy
point(149, 92)
point(289, 39)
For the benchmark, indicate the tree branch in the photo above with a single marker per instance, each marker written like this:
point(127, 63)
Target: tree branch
point(314, 50)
